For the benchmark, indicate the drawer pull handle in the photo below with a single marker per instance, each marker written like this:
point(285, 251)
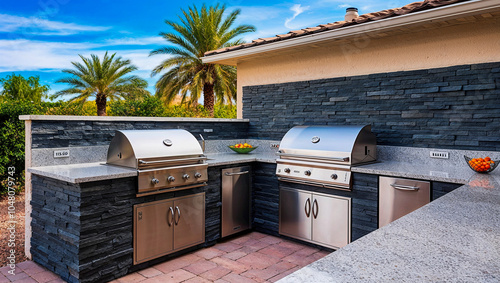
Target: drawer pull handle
point(238, 173)
point(404, 188)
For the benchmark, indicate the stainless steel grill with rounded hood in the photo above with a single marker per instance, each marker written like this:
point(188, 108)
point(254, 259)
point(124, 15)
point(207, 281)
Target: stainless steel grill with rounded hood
point(169, 159)
point(323, 155)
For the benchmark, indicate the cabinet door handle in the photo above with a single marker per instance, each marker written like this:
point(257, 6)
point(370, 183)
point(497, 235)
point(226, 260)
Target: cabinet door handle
point(178, 215)
point(171, 216)
point(315, 213)
point(404, 188)
point(307, 207)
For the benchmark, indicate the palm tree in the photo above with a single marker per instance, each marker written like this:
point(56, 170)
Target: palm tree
point(197, 33)
point(106, 79)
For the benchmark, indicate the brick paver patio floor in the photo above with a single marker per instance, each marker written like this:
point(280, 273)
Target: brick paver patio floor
point(253, 257)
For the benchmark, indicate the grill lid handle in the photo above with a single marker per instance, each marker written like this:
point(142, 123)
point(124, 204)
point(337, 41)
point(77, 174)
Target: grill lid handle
point(344, 159)
point(167, 160)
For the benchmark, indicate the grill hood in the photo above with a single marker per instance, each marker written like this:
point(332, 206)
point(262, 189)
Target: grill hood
point(342, 144)
point(152, 148)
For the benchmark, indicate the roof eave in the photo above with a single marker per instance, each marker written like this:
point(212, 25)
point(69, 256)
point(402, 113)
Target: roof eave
point(458, 10)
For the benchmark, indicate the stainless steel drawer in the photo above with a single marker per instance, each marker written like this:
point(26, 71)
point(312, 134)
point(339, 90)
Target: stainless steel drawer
point(398, 197)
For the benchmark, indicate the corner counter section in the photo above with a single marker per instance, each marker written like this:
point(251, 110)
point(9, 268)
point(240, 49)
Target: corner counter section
point(452, 239)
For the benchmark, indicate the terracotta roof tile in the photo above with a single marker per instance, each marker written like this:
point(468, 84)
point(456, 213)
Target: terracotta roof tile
point(410, 8)
point(258, 40)
point(313, 29)
point(298, 32)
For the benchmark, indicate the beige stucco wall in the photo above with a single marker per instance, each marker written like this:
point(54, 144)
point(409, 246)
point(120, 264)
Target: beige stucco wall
point(468, 43)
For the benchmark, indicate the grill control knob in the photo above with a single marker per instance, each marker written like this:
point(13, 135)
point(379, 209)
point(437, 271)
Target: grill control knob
point(334, 176)
point(185, 176)
point(197, 175)
point(307, 173)
point(155, 181)
point(171, 179)
point(287, 170)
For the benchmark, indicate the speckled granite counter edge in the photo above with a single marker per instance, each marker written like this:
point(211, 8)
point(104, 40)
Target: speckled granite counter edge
point(85, 172)
point(409, 174)
point(90, 172)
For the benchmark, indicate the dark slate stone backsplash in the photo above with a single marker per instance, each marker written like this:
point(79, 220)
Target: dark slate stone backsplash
point(53, 134)
point(455, 107)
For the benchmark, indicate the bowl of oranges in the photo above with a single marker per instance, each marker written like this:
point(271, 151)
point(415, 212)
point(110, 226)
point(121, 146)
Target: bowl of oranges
point(242, 147)
point(481, 165)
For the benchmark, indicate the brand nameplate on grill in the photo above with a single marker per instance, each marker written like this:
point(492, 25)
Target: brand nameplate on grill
point(167, 142)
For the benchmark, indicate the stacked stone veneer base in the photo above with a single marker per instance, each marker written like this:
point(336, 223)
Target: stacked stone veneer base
point(265, 204)
point(84, 232)
point(455, 107)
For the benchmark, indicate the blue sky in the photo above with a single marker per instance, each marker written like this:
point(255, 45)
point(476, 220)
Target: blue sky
point(42, 37)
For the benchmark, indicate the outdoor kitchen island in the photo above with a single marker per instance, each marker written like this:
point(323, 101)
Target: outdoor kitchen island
point(452, 238)
point(82, 217)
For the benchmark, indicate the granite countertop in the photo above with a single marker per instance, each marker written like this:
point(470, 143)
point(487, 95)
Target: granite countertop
point(85, 172)
point(89, 172)
point(217, 159)
point(452, 239)
point(459, 174)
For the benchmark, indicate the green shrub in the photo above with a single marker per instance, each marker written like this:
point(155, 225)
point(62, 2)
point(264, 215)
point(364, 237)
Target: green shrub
point(183, 111)
point(148, 107)
point(225, 111)
point(87, 108)
point(153, 107)
point(12, 138)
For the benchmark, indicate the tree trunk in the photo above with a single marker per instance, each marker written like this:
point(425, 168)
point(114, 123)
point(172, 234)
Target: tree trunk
point(100, 101)
point(208, 98)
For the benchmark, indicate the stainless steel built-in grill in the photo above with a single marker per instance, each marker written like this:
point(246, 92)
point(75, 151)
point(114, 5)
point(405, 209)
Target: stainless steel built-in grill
point(166, 160)
point(323, 155)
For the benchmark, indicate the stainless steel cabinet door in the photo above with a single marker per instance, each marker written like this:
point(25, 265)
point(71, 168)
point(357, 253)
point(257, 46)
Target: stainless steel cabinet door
point(189, 221)
point(331, 220)
point(295, 214)
point(398, 197)
point(153, 230)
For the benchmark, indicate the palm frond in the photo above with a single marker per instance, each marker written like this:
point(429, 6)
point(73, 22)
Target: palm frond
point(196, 32)
point(108, 77)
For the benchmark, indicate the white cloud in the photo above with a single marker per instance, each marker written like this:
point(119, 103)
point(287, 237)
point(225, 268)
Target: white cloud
point(33, 55)
point(297, 9)
point(40, 26)
point(137, 41)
